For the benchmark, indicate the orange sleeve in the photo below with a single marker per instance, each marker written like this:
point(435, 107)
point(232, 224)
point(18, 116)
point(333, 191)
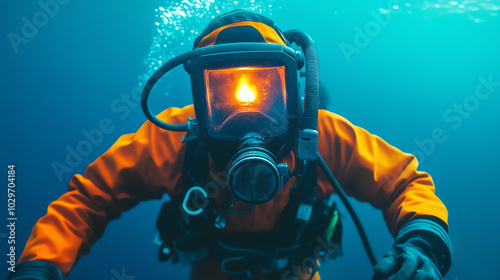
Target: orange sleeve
point(369, 169)
point(139, 166)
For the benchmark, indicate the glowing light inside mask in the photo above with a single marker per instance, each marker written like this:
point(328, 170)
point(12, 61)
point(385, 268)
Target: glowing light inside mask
point(245, 93)
point(250, 95)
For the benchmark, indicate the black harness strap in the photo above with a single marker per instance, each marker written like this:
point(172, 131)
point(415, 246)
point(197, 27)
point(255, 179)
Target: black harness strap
point(187, 239)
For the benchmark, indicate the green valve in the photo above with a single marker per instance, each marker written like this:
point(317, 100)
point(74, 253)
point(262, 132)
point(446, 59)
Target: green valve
point(331, 227)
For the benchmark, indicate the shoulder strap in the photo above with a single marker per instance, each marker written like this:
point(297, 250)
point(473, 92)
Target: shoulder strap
point(298, 211)
point(195, 166)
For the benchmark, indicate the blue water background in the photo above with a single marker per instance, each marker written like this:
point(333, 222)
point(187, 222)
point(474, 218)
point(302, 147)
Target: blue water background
point(430, 56)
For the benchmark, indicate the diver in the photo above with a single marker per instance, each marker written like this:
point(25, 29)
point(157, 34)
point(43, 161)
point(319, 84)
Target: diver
point(250, 168)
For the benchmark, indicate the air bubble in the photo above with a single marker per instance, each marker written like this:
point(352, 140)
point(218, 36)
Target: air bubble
point(189, 17)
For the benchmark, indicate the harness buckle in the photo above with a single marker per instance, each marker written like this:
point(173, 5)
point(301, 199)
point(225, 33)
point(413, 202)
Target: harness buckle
point(194, 202)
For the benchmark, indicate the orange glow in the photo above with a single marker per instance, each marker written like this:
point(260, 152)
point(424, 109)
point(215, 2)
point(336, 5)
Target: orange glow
point(245, 93)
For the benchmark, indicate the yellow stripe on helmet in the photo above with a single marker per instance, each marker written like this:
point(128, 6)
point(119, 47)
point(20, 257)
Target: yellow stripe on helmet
point(269, 34)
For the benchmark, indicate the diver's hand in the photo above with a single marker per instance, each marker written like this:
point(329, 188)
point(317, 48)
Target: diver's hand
point(411, 260)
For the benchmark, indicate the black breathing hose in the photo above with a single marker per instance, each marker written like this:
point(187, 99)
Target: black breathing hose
point(310, 121)
point(340, 192)
point(311, 98)
point(178, 60)
point(149, 86)
point(169, 65)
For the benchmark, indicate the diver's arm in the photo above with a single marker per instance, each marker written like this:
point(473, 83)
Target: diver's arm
point(370, 169)
point(137, 167)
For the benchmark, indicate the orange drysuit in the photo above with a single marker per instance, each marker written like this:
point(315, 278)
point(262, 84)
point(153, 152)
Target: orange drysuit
point(147, 164)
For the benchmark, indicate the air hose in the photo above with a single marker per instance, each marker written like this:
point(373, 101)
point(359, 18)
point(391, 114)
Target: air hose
point(340, 192)
point(311, 98)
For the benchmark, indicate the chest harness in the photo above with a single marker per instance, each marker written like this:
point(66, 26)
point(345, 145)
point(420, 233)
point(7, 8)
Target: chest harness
point(191, 225)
